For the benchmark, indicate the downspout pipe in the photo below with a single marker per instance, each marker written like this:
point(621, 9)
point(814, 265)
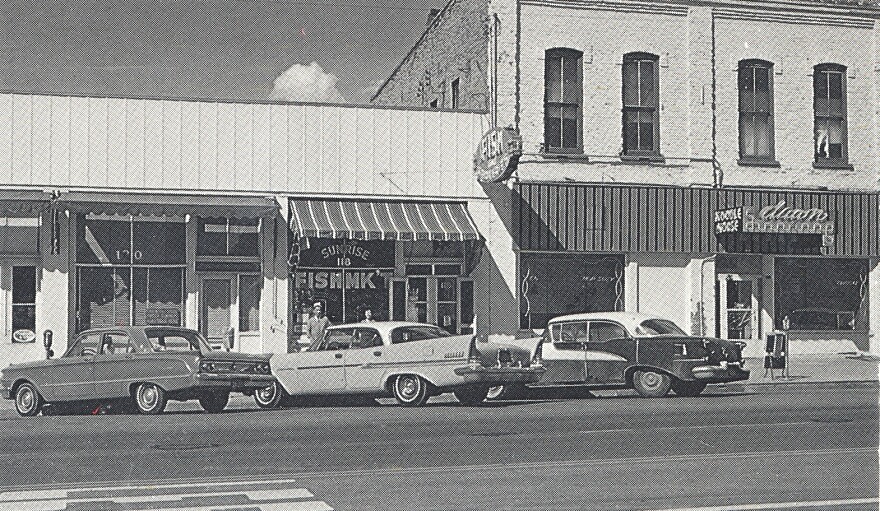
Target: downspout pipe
point(717, 172)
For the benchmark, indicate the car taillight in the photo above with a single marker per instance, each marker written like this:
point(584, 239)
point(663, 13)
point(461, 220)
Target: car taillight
point(473, 353)
point(206, 366)
point(537, 359)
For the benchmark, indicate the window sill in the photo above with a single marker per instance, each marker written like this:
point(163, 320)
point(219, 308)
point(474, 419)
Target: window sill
point(758, 162)
point(561, 155)
point(642, 158)
point(832, 164)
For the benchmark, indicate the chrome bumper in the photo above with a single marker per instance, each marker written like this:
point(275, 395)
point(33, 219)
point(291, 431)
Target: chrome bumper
point(720, 373)
point(500, 375)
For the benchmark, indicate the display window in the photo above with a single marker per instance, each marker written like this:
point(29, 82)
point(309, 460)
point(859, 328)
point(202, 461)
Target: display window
point(553, 284)
point(821, 294)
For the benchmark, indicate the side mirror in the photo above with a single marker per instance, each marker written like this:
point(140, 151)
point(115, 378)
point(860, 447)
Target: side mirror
point(47, 344)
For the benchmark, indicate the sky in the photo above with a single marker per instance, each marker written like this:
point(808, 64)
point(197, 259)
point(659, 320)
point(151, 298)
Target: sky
point(312, 50)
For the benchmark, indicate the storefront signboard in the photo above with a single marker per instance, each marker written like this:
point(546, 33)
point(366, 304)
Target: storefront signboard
point(348, 279)
point(23, 335)
point(344, 253)
point(498, 155)
point(779, 218)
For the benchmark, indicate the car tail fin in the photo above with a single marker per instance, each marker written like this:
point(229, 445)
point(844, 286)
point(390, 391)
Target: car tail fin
point(537, 359)
point(473, 353)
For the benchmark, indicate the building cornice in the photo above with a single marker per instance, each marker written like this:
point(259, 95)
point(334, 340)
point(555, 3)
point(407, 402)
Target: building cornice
point(783, 10)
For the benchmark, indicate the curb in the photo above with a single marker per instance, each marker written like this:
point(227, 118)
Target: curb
point(752, 386)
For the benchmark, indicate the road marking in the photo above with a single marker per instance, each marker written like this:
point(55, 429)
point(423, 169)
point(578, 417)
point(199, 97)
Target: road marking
point(265, 495)
point(821, 504)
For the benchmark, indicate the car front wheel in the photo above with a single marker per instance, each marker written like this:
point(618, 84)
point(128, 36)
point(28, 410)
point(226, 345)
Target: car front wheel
point(150, 398)
point(471, 395)
point(688, 388)
point(651, 384)
point(214, 402)
point(269, 397)
point(28, 400)
point(410, 390)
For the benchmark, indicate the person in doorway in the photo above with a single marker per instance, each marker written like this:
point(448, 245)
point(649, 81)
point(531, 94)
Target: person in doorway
point(317, 325)
point(368, 316)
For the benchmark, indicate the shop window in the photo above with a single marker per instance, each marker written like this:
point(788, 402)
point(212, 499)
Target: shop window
point(249, 303)
point(562, 101)
point(158, 294)
point(228, 237)
point(120, 296)
point(821, 294)
point(641, 116)
point(130, 242)
point(433, 269)
point(756, 134)
point(435, 248)
point(555, 284)
point(24, 298)
point(829, 107)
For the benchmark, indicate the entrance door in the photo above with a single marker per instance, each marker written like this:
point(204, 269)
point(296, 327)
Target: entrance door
point(433, 300)
point(740, 306)
point(215, 314)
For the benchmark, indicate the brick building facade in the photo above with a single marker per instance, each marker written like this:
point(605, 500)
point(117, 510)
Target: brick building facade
point(660, 115)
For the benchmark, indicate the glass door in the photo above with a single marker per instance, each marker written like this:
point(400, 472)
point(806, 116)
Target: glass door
point(740, 306)
point(215, 314)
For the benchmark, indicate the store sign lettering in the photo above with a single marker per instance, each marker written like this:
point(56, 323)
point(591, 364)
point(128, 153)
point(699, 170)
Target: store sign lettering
point(343, 254)
point(778, 218)
point(341, 280)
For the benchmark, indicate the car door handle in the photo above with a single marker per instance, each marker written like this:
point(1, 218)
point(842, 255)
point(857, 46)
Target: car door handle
point(338, 355)
point(377, 353)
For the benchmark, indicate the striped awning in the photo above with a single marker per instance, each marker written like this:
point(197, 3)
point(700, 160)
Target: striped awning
point(381, 220)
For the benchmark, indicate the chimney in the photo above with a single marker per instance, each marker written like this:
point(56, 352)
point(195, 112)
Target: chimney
point(432, 14)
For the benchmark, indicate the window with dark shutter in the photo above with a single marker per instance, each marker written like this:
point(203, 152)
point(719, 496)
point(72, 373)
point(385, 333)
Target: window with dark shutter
point(562, 101)
point(756, 134)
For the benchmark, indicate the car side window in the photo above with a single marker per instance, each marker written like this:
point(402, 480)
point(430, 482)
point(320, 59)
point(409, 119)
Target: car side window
point(85, 346)
point(366, 338)
point(573, 332)
point(601, 331)
point(338, 339)
point(113, 343)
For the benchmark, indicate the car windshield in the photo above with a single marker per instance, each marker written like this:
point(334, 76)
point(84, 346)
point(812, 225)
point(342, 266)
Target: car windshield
point(658, 327)
point(177, 340)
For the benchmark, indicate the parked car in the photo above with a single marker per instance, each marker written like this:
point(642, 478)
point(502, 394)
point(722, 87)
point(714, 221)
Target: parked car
point(410, 361)
point(619, 349)
point(140, 366)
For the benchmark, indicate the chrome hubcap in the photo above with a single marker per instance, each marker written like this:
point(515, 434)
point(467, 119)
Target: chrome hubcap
point(25, 399)
point(408, 387)
point(651, 379)
point(148, 397)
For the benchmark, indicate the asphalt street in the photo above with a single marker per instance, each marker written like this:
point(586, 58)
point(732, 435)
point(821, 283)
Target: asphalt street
point(792, 447)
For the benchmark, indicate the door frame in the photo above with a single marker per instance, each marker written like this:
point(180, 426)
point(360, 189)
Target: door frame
point(232, 278)
point(756, 305)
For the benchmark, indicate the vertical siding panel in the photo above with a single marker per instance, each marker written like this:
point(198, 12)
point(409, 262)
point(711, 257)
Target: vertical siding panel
point(604, 213)
point(647, 226)
point(78, 127)
point(278, 148)
point(381, 150)
point(347, 165)
point(117, 161)
point(155, 140)
point(626, 225)
point(396, 132)
point(262, 147)
point(874, 231)
point(171, 155)
point(21, 140)
point(97, 171)
point(588, 214)
point(134, 142)
point(225, 146)
point(189, 144)
point(243, 161)
point(60, 141)
point(849, 210)
point(6, 119)
point(578, 211)
point(208, 146)
point(571, 211)
point(41, 148)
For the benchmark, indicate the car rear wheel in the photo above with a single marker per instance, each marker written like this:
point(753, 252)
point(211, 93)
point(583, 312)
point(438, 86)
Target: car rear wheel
point(651, 384)
point(214, 402)
point(688, 388)
point(28, 401)
point(410, 390)
point(269, 397)
point(471, 395)
point(150, 399)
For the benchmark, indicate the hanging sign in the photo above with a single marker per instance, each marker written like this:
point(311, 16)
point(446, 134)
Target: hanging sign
point(498, 155)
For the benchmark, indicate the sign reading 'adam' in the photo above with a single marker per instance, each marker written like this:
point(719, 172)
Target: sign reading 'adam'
point(779, 218)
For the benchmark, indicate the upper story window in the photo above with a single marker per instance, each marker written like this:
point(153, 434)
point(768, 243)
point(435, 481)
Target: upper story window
point(641, 116)
point(756, 140)
point(228, 237)
point(829, 107)
point(563, 95)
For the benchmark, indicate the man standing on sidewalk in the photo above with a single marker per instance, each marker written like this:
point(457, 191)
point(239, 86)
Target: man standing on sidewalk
point(317, 325)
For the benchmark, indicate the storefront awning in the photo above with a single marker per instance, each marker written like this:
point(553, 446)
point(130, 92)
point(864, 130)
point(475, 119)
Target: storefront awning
point(23, 202)
point(143, 204)
point(381, 220)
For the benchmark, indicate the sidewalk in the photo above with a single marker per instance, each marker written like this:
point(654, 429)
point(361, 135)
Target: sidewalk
point(824, 368)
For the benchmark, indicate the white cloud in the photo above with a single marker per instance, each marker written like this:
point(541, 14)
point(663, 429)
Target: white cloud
point(306, 83)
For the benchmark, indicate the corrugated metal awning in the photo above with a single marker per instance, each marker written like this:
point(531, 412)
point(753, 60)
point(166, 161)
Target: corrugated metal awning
point(381, 220)
point(152, 204)
point(23, 202)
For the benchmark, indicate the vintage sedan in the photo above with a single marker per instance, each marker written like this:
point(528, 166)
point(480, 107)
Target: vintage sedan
point(410, 361)
point(620, 349)
point(138, 368)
